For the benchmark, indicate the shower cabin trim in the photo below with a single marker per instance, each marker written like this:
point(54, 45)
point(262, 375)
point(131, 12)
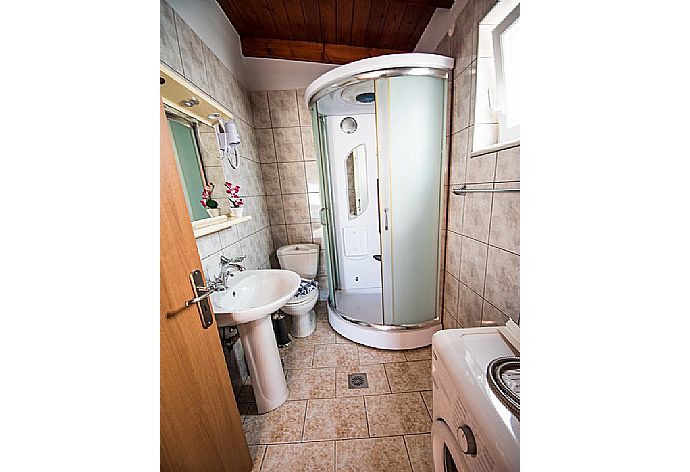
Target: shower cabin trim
point(386, 336)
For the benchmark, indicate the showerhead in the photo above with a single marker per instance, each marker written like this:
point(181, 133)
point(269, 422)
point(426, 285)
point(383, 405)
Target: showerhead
point(367, 97)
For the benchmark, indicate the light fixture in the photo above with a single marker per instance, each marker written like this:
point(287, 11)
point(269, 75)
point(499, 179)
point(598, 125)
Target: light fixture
point(190, 102)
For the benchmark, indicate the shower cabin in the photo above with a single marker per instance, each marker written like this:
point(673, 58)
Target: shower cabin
point(379, 131)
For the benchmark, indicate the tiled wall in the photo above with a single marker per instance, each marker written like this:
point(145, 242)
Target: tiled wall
point(482, 260)
point(289, 169)
point(184, 51)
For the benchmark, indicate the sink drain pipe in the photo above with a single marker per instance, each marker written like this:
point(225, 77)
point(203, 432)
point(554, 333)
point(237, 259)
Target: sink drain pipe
point(280, 329)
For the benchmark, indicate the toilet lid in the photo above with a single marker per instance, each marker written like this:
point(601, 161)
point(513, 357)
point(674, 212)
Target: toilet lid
point(303, 298)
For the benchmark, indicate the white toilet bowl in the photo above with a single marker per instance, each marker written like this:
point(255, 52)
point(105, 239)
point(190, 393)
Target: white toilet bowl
point(303, 259)
point(301, 311)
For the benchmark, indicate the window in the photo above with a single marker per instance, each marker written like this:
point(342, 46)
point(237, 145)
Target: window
point(506, 44)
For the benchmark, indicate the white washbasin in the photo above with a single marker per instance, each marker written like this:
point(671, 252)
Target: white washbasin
point(251, 294)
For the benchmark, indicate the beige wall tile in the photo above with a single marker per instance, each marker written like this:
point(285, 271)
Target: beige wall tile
point(275, 209)
point(308, 143)
point(492, 316)
point(170, 49)
point(469, 307)
point(450, 294)
point(266, 146)
point(303, 109)
point(293, 179)
point(456, 205)
point(259, 104)
point(279, 235)
point(288, 142)
point(505, 219)
point(503, 281)
point(335, 418)
point(477, 213)
point(453, 254)
point(508, 165)
point(473, 264)
point(481, 168)
point(296, 208)
point(312, 172)
point(271, 180)
point(191, 51)
point(299, 233)
point(283, 107)
point(458, 157)
point(461, 101)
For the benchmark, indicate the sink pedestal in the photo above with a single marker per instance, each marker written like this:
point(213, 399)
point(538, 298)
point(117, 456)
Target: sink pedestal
point(263, 361)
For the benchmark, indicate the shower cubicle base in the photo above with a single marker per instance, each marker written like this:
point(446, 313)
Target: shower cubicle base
point(382, 337)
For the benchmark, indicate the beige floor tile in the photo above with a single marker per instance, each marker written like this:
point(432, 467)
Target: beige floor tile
point(418, 354)
point(335, 418)
point(257, 453)
point(376, 377)
point(428, 398)
point(372, 455)
point(370, 355)
point(341, 356)
point(312, 457)
point(311, 383)
point(421, 454)
point(323, 334)
point(284, 424)
point(297, 356)
point(397, 413)
point(409, 376)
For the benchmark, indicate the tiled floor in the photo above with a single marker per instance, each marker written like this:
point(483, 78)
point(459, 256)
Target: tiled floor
point(325, 426)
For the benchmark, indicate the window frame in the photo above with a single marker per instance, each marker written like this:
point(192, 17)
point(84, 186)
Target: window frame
point(505, 133)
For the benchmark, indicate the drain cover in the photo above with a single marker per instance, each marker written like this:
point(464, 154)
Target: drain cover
point(357, 380)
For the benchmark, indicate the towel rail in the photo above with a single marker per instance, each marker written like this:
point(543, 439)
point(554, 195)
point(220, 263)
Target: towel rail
point(463, 190)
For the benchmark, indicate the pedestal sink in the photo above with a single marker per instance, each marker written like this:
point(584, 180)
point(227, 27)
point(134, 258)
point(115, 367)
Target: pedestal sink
point(250, 297)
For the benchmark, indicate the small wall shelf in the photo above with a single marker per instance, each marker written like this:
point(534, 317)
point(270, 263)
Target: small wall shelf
point(218, 223)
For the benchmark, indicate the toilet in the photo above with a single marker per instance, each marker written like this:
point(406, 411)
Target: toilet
point(303, 259)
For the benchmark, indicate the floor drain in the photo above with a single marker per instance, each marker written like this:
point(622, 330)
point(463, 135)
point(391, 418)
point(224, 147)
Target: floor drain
point(357, 381)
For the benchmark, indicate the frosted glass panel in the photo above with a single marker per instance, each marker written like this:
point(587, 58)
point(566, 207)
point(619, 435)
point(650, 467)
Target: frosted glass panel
point(410, 114)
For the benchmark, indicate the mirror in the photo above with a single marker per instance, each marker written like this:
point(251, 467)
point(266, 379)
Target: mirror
point(356, 176)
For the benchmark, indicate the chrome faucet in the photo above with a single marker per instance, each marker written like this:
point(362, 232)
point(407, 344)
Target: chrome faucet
point(227, 266)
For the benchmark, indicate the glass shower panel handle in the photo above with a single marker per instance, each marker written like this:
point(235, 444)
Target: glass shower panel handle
point(322, 217)
point(385, 219)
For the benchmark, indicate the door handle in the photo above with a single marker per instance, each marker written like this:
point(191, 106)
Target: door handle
point(322, 217)
point(201, 295)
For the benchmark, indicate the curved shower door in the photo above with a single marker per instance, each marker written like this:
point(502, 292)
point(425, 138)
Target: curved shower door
point(410, 115)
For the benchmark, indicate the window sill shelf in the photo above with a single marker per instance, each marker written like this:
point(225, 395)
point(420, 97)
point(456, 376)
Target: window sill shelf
point(218, 223)
point(495, 148)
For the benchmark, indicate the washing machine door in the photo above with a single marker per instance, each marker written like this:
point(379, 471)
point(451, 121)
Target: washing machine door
point(447, 454)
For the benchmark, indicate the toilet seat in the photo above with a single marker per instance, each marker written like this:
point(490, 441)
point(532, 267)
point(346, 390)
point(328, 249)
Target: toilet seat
point(296, 302)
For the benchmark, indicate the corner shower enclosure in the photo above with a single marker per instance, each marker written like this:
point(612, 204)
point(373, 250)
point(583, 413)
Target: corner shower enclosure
point(379, 131)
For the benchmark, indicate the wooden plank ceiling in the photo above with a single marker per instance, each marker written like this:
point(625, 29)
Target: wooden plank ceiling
point(330, 31)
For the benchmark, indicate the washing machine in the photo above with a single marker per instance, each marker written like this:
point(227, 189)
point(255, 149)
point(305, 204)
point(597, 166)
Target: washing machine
point(476, 383)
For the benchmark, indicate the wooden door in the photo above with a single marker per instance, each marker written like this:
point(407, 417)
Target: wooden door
point(201, 428)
